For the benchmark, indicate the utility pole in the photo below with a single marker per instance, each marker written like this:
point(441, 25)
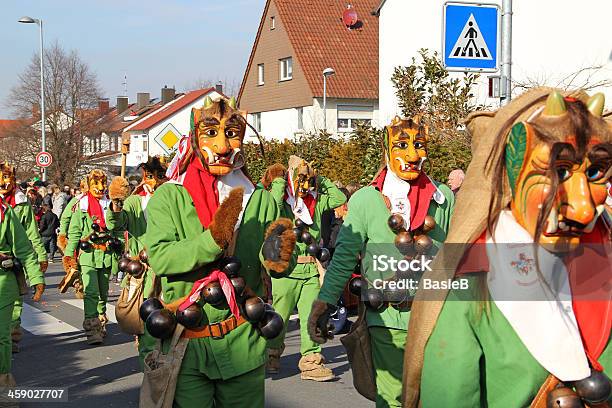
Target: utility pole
point(506, 41)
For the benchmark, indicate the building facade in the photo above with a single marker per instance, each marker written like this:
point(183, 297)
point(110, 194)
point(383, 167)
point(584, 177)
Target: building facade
point(282, 88)
point(554, 43)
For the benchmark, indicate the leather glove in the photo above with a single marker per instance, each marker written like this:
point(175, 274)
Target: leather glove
point(278, 245)
point(225, 218)
point(39, 289)
point(319, 328)
point(43, 266)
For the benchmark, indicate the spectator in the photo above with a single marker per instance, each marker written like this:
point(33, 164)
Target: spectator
point(36, 201)
point(352, 187)
point(455, 179)
point(68, 192)
point(60, 200)
point(47, 195)
point(48, 225)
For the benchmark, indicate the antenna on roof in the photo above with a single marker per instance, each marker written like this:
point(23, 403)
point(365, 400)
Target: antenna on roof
point(125, 84)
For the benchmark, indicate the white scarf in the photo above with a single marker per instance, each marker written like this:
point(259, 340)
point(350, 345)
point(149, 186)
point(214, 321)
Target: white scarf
point(547, 328)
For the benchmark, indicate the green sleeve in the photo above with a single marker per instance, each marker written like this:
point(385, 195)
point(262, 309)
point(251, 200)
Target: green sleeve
point(277, 191)
point(28, 220)
point(66, 215)
point(331, 196)
point(167, 255)
point(18, 240)
point(118, 221)
point(451, 368)
point(75, 231)
point(350, 242)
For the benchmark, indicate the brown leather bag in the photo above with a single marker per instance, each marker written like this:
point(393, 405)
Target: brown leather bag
point(128, 305)
point(359, 353)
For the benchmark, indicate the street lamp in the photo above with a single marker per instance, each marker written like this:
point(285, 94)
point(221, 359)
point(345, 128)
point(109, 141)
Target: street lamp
point(326, 72)
point(39, 22)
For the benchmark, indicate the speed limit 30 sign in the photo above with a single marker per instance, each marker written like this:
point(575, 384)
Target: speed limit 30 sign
point(44, 159)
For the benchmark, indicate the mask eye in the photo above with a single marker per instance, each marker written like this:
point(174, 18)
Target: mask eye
point(563, 173)
point(231, 133)
point(401, 145)
point(594, 173)
point(211, 132)
point(419, 145)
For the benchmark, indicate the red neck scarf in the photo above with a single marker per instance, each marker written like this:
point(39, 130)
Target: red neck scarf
point(202, 187)
point(420, 194)
point(94, 209)
point(10, 199)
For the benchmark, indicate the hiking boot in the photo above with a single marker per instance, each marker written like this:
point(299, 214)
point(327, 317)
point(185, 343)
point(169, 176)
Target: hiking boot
point(312, 368)
point(273, 363)
point(93, 331)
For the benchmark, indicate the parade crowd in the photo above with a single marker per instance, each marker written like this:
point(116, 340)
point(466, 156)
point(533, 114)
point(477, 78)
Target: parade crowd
point(213, 263)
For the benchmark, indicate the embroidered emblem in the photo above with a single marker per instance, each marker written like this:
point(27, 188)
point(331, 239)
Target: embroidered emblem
point(524, 265)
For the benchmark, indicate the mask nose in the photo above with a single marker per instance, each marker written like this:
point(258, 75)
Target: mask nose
point(576, 196)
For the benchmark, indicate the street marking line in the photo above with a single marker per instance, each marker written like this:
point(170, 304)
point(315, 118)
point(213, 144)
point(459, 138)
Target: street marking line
point(110, 309)
point(40, 323)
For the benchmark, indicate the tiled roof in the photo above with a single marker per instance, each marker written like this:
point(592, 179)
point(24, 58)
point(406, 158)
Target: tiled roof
point(7, 125)
point(320, 40)
point(171, 108)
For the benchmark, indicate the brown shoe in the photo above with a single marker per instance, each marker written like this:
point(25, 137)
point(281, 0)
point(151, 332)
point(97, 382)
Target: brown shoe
point(93, 331)
point(312, 368)
point(7, 381)
point(273, 363)
point(103, 321)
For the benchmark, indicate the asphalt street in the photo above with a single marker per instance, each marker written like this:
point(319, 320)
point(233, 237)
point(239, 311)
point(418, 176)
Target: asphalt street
point(54, 354)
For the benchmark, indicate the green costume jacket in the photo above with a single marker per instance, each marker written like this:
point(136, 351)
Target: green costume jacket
point(80, 227)
point(365, 233)
point(14, 241)
point(328, 197)
point(455, 367)
point(25, 213)
point(181, 252)
point(67, 215)
point(131, 218)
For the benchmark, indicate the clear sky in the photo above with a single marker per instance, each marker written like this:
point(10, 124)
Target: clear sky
point(157, 42)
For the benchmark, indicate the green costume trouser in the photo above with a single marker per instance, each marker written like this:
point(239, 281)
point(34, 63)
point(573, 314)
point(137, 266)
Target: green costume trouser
point(287, 293)
point(9, 291)
point(95, 289)
point(195, 390)
point(388, 357)
point(17, 309)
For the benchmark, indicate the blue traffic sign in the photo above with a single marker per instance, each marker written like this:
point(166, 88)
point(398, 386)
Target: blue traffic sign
point(471, 36)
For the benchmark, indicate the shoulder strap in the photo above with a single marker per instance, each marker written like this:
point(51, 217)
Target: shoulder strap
point(540, 399)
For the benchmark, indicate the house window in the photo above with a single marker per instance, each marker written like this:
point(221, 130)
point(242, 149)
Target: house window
point(300, 118)
point(260, 74)
point(349, 116)
point(272, 23)
point(286, 69)
point(257, 121)
point(145, 145)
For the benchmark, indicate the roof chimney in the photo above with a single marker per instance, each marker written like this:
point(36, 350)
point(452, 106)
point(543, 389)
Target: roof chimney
point(103, 106)
point(219, 87)
point(122, 104)
point(142, 99)
point(167, 94)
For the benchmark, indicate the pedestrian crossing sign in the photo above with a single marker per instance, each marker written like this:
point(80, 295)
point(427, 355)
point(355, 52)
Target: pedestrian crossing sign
point(471, 36)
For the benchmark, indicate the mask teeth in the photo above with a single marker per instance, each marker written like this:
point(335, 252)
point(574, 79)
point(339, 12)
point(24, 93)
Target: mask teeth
point(212, 158)
point(552, 223)
point(421, 161)
point(598, 211)
point(235, 152)
point(402, 163)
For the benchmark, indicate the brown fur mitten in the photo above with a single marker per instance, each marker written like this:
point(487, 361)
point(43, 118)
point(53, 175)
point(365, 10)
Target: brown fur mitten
point(272, 172)
point(62, 241)
point(119, 189)
point(278, 245)
point(318, 322)
point(39, 289)
point(225, 218)
point(69, 263)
